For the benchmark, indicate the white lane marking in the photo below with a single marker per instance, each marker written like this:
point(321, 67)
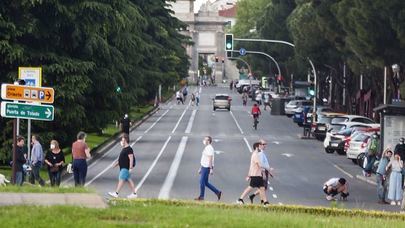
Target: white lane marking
point(274, 196)
point(153, 164)
point(217, 140)
point(287, 155)
point(167, 185)
point(271, 188)
point(108, 167)
point(363, 178)
point(219, 152)
point(276, 142)
point(181, 117)
point(190, 122)
point(340, 169)
point(199, 91)
point(247, 144)
point(237, 124)
point(151, 126)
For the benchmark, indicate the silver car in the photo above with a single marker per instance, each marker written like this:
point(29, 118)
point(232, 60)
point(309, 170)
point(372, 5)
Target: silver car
point(221, 101)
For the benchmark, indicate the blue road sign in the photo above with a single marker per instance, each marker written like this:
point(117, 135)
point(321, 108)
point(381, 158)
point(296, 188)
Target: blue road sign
point(242, 51)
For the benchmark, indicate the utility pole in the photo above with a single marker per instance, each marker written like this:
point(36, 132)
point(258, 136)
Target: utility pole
point(344, 85)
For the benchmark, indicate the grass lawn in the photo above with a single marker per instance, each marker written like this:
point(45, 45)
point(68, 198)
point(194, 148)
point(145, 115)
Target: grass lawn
point(36, 189)
point(154, 213)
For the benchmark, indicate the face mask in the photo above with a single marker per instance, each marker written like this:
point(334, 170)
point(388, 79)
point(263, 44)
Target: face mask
point(203, 142)
point(122, 143)
point(52, 146)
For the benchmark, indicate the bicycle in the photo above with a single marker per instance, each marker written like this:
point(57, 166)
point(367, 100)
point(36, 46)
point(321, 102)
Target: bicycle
point(255, 121)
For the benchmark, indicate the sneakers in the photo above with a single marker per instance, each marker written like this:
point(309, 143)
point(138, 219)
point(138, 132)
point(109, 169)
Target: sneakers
point(329, 198)
point(199, 199)
point(132, 196)
point(393, 203)
point(113, 194)
point(266, 204)
point(240, 201)
point(251, 197)
point(219, 195)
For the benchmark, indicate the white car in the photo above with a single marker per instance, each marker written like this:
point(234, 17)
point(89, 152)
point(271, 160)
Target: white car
point(358, 145)
point(294, 105)
point(333, 128)
point(352, 118)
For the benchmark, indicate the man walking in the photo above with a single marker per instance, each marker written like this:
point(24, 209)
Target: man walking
point(126, 162)
point(206, 169)
point(20, 161)
point(255, 177)
point(266, 170)
point(80, 152)
point(125, 124)
point(37, 159)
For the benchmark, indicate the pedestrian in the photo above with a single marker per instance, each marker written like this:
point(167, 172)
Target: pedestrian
point(80, 152)
point(126, 163)
point(244, 98)
point(185, 92)
point(266, 170)
point(255, 177)
point(179, 97)
point(192, 99)
point(372, 154)
point(125, 124)
point(197, 98)
point(334, 186)
point(37, 159)
point(266, 100)
point(381, 176)
point(400, 149)
point(55, 160)
point(395, 190)
point(206, 169)
point(20, 161)
point(231, 85)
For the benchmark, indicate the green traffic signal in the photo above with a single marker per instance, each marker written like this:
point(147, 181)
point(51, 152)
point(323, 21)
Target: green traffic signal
point(118, 89)
point(229, 42)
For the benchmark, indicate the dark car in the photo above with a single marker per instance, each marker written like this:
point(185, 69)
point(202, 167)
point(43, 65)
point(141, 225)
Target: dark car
point(337, 141)
point(319, 128)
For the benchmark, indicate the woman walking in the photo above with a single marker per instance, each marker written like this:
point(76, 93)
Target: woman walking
point(55, 160)
point(395, 187)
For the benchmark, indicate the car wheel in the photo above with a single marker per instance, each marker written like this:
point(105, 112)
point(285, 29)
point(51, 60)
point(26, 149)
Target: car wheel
point(319, 138)
point(341, 152)
point(329, 151)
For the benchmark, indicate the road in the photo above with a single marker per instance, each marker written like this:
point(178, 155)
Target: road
point(168, 149)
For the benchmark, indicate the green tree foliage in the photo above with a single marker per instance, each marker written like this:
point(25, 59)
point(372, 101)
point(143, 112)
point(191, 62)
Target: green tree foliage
point(87, 49)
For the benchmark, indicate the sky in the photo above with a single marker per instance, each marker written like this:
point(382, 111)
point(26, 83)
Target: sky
point(197, 5)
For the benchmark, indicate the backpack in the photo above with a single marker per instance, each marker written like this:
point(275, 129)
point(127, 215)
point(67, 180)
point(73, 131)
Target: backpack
point(373, 147)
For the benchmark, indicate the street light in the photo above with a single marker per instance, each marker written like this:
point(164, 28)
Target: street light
point(397, 82)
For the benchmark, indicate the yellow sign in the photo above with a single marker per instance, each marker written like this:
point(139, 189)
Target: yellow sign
point(27, 93)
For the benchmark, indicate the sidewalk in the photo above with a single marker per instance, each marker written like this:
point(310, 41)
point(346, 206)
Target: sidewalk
point(90, 200)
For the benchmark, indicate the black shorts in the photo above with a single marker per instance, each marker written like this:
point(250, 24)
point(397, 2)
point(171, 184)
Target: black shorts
point(334, 192)
point(256, 182)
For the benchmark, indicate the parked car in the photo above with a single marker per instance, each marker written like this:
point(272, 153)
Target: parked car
point(359, 143)
point(352, 118)
point(319, 127)
point(301, 115)
point(293, 106)
point(337, 141)
point(221, 101)
point(333, 129)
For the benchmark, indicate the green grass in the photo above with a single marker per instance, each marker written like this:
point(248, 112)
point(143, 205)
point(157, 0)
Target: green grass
point(37, 189)
point(154, 213)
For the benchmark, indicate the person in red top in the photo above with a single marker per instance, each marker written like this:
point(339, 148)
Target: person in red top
point(256, 111)
point(80, 152)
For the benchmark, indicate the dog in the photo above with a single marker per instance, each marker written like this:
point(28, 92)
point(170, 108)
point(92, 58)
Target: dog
point(3, 180)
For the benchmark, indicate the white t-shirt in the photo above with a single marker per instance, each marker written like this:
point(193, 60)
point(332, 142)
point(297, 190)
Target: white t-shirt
point(208, 151)
point(178, 94)
point(332, 182)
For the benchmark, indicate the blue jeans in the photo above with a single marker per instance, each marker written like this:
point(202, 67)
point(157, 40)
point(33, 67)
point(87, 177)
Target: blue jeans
point(54, 178)
point(370, 162)
point(35, 172)
point(205, 173)
point(19, 178)
point(79, 171)
point(381, 187)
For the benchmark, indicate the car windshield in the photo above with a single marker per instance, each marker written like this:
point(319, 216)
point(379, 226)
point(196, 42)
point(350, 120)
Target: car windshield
point(293, 102)
point(361, 137)
point(339, 120)
point(345, 132)
point(324, 120)
point(335, 127)
point(221, 98)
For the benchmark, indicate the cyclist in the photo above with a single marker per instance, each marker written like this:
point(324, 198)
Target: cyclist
point(256, 112)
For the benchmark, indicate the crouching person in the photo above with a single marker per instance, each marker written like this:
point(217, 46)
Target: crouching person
point(334, 186)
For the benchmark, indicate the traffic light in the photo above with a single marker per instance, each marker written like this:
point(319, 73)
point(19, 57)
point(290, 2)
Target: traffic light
point(311, 90)
point(229, 42)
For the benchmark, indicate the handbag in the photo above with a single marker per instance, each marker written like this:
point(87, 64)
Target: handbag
point(69, 168)
point(54, 169)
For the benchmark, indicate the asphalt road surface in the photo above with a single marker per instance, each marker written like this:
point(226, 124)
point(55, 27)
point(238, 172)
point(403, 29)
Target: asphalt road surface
point(168, 149)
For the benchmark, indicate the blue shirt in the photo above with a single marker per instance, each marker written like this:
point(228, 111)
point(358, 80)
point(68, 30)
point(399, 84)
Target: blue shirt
point(382, 165)
point(37, 154)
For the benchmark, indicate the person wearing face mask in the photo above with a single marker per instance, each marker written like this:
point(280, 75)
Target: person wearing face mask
point(126, 162)
point(55, 160)
point(206, 169)
point(80, 152)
